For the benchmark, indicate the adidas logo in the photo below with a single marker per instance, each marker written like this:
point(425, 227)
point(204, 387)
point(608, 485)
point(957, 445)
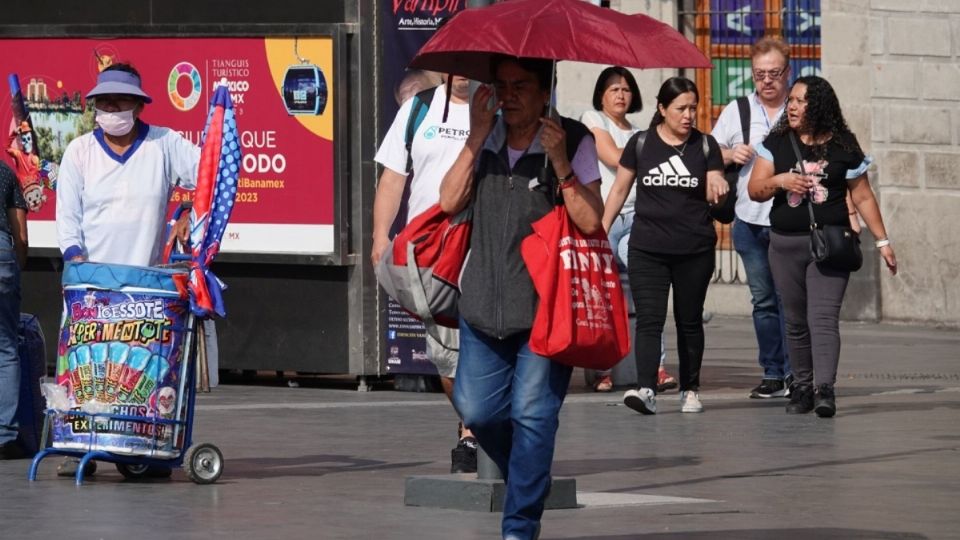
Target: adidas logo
point(671, 173)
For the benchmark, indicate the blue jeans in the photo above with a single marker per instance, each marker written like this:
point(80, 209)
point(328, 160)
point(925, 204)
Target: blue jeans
point(752, 243)
point(510, 398)
point(619, 237)
point(9, 324)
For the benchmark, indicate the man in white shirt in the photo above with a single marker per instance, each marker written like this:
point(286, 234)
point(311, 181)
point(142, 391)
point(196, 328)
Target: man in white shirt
point(115, 184)
point(770, 63)
point(434, 144)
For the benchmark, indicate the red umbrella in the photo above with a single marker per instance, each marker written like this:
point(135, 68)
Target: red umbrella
point(555, 30)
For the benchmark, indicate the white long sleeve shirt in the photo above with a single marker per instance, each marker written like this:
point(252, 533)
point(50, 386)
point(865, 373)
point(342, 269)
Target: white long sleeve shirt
point(113, 208)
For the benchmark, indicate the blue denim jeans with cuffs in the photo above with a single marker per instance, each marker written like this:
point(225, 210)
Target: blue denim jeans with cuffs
point(9, 340)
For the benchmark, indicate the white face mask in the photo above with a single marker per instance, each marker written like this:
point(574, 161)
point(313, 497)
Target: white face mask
point(117, 124)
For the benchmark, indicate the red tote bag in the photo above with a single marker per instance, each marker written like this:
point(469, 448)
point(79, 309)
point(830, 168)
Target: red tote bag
point(582, 317)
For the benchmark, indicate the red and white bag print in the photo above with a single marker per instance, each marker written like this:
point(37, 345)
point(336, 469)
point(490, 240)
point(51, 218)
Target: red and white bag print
point(582, 317)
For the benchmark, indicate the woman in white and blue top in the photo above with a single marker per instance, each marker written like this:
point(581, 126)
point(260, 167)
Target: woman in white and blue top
point(115, 182)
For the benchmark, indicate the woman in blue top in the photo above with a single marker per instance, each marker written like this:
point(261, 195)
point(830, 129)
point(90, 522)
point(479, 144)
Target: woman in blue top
point(812, 292)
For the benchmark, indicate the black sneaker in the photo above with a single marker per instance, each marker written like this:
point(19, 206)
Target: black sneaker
point(825, 403)
point(11, 450)
point(463, 458)
point(801, 399)
point(787, 384)
point(768, 388)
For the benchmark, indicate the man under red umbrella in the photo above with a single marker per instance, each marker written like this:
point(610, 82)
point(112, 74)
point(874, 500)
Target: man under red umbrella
point(509, 396)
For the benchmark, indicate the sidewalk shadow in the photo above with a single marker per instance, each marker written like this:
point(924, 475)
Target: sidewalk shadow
point(581, 467)
point(312, 465)
point(820, 533)
point(843, 410)
point(792, 470)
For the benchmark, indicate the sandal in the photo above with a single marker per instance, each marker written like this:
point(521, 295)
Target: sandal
point(603, 384)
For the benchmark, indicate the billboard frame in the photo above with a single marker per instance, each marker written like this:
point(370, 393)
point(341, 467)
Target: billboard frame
point(345, 70)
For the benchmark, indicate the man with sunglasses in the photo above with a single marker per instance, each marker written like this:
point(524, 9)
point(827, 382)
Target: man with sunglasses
point(115, 184)
point(770, 63)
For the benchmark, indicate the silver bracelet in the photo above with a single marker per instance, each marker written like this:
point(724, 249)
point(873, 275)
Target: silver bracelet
point(882, 243)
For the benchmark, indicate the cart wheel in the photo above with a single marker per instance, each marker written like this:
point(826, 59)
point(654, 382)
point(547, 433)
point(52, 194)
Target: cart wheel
point(133, 472)
point(203, 463)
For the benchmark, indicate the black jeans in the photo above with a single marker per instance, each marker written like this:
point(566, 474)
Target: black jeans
point(651, 276)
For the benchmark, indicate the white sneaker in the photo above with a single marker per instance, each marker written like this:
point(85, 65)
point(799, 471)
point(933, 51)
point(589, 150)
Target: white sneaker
point(690, 401)
point(643, 400)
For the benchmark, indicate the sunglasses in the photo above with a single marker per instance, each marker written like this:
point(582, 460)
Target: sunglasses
point(774, 74)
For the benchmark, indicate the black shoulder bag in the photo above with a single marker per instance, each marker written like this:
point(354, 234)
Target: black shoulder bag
point(836, 246)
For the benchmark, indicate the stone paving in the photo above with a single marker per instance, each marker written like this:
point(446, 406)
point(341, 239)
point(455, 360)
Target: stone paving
point(321, 462)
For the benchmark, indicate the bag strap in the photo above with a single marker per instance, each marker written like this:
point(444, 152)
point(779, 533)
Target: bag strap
point(796, 151)
point(576, 132)
point(743, 106)
point(418, 111)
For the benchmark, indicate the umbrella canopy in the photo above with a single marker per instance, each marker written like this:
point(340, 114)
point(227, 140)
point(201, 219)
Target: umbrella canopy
point(554, 30)
point(213, 201)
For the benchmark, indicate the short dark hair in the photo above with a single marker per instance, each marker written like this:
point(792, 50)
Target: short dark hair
point(636, 102)
point(543, 69)
point(669, 90)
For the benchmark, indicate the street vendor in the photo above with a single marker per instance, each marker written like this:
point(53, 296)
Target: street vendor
point(115, 183)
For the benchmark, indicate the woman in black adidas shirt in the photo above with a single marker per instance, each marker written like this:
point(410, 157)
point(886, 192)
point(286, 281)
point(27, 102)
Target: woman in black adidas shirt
point(678, 171)
point(812, 293)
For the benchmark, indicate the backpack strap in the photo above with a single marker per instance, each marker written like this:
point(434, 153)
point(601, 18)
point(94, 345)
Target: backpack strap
point(418, 111)
point(641, 140)
point(743, 106)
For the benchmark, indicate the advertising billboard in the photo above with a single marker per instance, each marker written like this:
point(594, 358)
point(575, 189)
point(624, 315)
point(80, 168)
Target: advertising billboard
point(283, 94)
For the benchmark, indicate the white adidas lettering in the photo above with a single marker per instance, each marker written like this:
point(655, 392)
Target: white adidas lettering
point(670, 173)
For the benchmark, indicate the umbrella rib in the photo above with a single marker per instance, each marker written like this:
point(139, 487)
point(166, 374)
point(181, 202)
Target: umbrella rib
point(526, 36)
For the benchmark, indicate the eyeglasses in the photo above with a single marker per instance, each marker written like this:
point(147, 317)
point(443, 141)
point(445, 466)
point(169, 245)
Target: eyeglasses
point(774, 74)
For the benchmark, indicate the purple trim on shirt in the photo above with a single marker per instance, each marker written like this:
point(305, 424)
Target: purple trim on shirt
point(71, 252)
point(143, 128)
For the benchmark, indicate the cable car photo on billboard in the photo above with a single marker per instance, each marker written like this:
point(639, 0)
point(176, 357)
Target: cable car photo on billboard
point(304, 90)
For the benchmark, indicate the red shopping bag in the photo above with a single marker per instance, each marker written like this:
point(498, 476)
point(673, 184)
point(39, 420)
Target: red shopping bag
point(582, 317)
